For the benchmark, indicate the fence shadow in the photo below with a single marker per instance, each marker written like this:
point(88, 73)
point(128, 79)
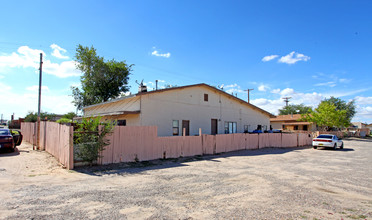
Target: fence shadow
point(127, 168)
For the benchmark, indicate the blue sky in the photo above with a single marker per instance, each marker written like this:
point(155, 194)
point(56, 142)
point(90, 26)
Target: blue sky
point(308, 50)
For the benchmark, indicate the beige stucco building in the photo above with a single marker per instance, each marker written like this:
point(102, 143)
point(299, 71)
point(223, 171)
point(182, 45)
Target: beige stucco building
point(291, 123)
point(186, 108)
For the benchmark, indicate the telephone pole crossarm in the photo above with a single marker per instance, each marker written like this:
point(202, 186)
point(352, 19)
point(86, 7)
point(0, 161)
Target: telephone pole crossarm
point(248, 93)
point(286, 100)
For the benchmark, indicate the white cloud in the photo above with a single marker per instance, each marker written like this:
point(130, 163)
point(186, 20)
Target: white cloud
point(57, 51)
point(330, 84)
point(360, 100)
point(26, 57)
point(21, 102)
point(268, 105)
point(152, 85)
point(30, 58)
point(4, 87)
point(364, 114)
point(233, 88)
point(287, 92)
point(365, 111)
point(364, 104)
point(273, 105)
point(345, 93)
point(62, 70)
point(36, 88)
point(268, 58)
point(263, 88)
point(275, 91)
point(293, 58)
point(344, 80)
point(156, 53)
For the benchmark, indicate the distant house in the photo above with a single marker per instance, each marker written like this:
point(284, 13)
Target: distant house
point(357, 125)
point(369, 126)
point(188, 108)
point(291, 123)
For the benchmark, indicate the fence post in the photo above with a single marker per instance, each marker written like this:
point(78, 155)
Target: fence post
point(200, 132)
point(70, 164)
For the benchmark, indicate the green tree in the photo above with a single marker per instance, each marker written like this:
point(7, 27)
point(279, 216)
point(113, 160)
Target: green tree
point(69, 115)
point(101, 80)
point(32, 117)
point(294, 109)
point(328, 115)
point(342, 105)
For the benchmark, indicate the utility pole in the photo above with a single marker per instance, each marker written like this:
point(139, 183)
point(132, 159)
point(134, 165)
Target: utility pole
point(39, 103)
point(286, 100)
point(248, 93)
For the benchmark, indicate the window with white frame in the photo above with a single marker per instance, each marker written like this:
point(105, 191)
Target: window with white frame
point(176, 128)
point(230, 127)
point(246, 128)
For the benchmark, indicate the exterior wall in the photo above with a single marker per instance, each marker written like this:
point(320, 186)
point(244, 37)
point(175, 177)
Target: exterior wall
point(359, 124)
point(131, 119)
point(277, 125)
point(160, 109)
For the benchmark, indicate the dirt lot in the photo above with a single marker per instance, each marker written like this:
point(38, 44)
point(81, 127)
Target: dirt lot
point(299, 183)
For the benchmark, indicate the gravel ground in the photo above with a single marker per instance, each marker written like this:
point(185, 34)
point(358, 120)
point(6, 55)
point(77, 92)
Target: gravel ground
point(288, 183)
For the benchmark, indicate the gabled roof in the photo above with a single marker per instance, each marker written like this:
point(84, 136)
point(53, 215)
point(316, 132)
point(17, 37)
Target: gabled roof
point(188, 86)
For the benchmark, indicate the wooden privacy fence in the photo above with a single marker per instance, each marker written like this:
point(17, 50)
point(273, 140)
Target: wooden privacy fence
point(56, 139)
point(141, 143)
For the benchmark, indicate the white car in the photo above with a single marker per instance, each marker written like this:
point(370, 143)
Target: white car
point(327, 140)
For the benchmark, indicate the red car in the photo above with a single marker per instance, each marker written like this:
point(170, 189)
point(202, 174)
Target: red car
point(6, 140)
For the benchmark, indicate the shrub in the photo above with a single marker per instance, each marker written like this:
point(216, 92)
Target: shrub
point(90, 138)
point(64, 121)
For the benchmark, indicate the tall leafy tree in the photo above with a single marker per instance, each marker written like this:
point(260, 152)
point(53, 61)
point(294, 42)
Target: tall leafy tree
point(69, 115)
point(294, 109)
point(101, 80)
point(331, 113)
point(32, 116)
point(342, 105)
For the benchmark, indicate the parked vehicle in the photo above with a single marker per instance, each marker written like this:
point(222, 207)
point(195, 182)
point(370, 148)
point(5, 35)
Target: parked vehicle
point(327, 140)
point(17, 137)
point(6, 140)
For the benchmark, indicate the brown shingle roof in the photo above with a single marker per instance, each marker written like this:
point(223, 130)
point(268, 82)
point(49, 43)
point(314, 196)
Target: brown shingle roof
point(284, 118)
point(297, 123)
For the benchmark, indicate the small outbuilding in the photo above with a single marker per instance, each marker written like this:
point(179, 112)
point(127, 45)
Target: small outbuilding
point(291, 123)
